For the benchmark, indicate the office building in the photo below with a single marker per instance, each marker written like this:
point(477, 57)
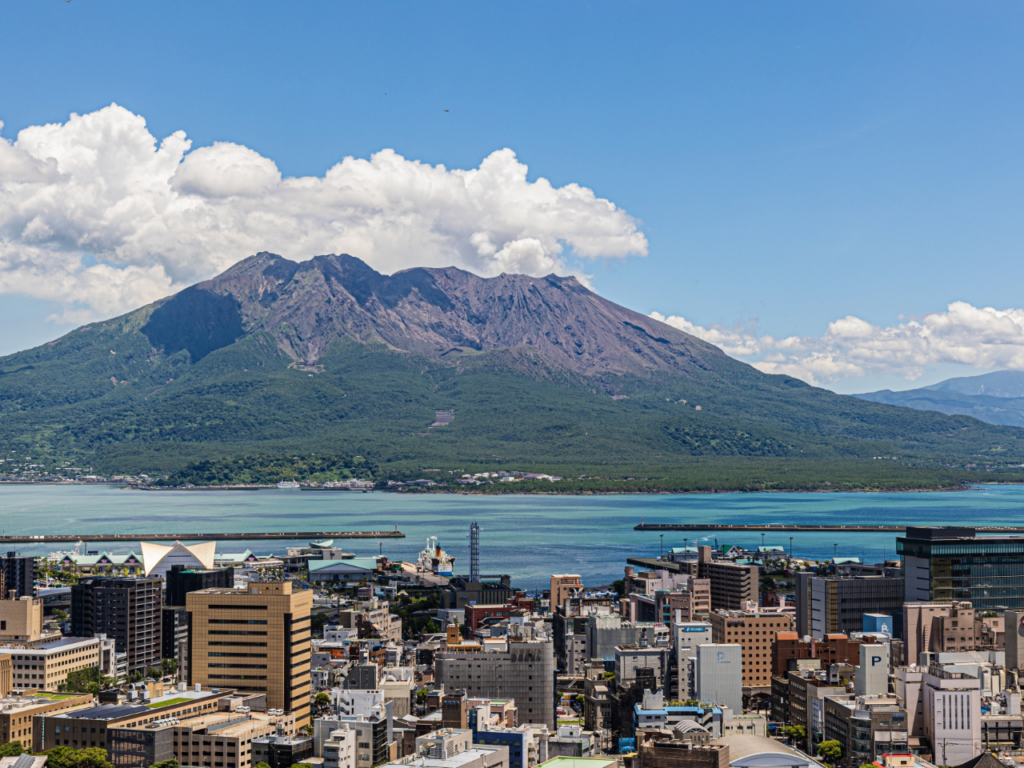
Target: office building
point(21, 619)
point(460, 591)
point(678, 753)
point(953, 565)
point(6, 675)
point(89, 726)
point(719, 675)
point(630, 658)
point(43, 666)
point(525, 671)
point(374, 734)
point(686, 636)
point(732, 584)
point(223, 737)
point(254, 639)
point(607, 631)
point(527, 747)
point(866, 727)
point(828, 605)
point(174, 636)
point(952, 715)
point(126, 610)
point(564, 586)
point(18, 713)
point(938, 628)
point(754, 632)
point(1014, 638)
point(339, 749)
point(181, 580)
point(872, 675)
point(806, 705)
point(17, 574)
point(281, 750)
point(830, 649)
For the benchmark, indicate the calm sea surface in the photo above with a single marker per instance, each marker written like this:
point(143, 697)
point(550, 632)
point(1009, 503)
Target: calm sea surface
point(529, 537)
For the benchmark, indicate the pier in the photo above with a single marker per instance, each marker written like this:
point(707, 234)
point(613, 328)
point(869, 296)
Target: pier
point(801, 528)
point(134, 537)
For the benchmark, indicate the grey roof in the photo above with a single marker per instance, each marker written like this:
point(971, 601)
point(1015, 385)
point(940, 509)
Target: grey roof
point(106, 712)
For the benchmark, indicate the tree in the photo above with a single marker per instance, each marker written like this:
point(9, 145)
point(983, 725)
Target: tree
point(172, 763)
point(421, 695)
point(795, 732)
point(322, 702)
point(11, 749)
point(261, 765)
point(619, 587)
point(93, 757)
point(830, 751)
point(168, 666)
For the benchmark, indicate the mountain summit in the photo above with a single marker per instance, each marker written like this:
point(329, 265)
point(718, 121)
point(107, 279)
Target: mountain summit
point(433, 312)
point(437, 367)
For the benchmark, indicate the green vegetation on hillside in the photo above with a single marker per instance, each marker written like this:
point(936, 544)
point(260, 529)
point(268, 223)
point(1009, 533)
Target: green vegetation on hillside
point(103, 397)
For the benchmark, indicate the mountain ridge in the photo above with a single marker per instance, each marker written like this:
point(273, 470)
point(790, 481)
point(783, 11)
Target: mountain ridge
point(327, 355)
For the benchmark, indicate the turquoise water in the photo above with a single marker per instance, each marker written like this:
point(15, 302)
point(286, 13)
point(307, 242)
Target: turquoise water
point(529, 537)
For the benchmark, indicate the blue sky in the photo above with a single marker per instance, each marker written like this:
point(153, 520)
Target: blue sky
point(790, 164)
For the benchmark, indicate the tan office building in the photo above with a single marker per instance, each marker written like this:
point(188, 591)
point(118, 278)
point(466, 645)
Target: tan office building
point(755, 633)
point(17, 713)
point(43, 666)
point(6, 675)
point(21, 620)
point(254, 639)
point(562, 587)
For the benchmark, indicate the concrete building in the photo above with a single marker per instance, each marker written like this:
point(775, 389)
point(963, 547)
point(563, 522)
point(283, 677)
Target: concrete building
point(374, 734)
point(938, 628)
point(174, 636)
point(630, 658)
point(525, 671)
point(755, 633)
point(954, 565)
point(952, 715)
point(806, 705)
point(225, 737)
point(719, 677)
point(607, 631)
point(1014, 639)
point(89, 726)
point(527, 744)
point(255, 639)
point(281, 750)
point(18, 713)
point(872, 676)
point(866, 727)
point(43, 666)
point(21, 619)
point(127, 610)
point(837, 604)
point(564, 586)
point(479, 756)
point(17, 574)
point(571, 741)
point(678, 753)
point(6, 675)
point(339, 749)
point(732, 585)
point(372, 618)
point(686, 636)
point(831, 649)
point(490, 590)
point(181, 580)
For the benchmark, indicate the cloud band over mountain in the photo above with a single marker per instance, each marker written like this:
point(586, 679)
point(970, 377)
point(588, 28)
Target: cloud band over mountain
point(983, 338)
point(100, 216)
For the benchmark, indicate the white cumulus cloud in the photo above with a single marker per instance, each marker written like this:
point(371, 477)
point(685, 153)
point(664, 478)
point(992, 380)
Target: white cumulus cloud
point(983, 338)
point(99, 215)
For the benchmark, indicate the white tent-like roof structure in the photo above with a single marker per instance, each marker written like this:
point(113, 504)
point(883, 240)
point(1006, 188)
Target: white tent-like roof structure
point(157, 559)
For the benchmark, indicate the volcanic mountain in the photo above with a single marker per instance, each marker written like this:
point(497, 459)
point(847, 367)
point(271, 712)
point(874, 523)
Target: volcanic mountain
point(328, 355)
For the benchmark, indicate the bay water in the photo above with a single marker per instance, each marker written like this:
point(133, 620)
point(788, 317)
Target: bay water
point(526, 536)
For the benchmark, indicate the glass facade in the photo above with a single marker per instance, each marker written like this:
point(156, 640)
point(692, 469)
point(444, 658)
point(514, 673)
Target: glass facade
point(987, 571)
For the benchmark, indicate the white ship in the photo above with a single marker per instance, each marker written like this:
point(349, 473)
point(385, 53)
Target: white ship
point(435, 559)
point(288, 485)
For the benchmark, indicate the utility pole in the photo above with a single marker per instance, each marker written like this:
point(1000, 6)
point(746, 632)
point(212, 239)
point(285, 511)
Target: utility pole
point(790, 547)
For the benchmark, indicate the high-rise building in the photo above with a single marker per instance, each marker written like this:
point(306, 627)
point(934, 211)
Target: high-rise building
point(524, 672)
point(174, 637)
point(755, 633)
point(952, 564)
point(732, 584)
point(831, 649)
point(18, 574)
point(563, 586)
point(939, 628)
point(127, 610)
point(181, 580)
point(1014, 623)
point(719, 675)
point(254, 639)
point(837, 604)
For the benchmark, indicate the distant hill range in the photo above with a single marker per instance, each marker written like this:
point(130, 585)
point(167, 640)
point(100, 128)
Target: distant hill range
point(996, 398)
point(328, 356)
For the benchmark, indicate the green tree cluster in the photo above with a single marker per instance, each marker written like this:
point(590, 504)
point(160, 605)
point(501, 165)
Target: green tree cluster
point(830, 751)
